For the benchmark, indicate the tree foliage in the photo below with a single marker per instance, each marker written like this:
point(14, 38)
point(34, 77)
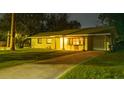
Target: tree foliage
point(74, 24)
point(117, 20)
point(32, 23)
point(114, 19)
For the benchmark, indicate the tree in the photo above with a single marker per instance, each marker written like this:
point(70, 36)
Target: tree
point(117, 20)
point(74, 24)
point(32, 23)
point(56, 21)
point(114, 19)
point(20, 40)
point(59, 21)
point(5, 22)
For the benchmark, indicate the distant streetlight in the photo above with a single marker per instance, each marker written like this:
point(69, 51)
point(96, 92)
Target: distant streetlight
point(13, 29)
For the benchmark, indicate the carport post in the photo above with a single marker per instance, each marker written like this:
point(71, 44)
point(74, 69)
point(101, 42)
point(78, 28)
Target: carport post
point(83, 43)
point(106, 43)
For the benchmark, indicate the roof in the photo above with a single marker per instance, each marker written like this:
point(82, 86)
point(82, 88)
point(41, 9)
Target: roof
point(64, 32)
point(93, 30)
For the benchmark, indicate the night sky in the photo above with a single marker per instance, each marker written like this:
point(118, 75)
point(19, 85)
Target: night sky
point(86, 19)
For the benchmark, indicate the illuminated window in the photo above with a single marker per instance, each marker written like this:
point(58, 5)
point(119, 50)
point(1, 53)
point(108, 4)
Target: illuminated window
point(49, 41)
point(39, 40)
point(76, 41)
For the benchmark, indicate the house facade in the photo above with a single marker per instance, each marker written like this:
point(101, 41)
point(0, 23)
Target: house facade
point(73, 40)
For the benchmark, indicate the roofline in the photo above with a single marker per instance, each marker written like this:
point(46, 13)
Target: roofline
point(45, 36)
point(90, 34)
point(100, 34)
point(76, 35)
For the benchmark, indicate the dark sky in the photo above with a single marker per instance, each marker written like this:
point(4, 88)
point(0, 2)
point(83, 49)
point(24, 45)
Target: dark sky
point(86, 19)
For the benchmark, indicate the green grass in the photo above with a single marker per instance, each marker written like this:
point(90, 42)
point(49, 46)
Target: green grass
point(108, 66)
point(11, 58)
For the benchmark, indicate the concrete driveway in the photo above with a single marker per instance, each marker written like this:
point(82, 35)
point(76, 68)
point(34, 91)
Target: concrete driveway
point(46, 69)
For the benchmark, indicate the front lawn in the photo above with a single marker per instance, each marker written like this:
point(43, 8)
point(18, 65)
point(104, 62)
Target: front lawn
point(109, 66)
point(11, 58)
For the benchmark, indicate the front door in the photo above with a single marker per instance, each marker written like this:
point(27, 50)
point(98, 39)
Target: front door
point(57, 43)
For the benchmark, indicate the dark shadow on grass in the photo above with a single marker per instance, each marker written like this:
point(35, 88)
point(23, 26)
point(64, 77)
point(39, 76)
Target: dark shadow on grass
point(24, 56)
point(32, 55)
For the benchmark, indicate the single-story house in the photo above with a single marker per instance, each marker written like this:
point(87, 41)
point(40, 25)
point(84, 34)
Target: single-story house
point(98, 38)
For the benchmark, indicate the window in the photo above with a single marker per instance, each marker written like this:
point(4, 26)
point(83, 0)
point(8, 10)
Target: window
point(49, 41)
point(39, 40)
point(76, 41)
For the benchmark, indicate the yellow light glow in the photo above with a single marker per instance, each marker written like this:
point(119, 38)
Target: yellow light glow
point(65, 41)
point(61, 43)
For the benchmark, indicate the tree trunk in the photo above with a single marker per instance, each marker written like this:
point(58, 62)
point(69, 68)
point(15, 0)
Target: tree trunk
point(13, 29)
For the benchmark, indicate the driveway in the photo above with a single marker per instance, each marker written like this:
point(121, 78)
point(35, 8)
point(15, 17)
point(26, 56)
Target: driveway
point(46, 69)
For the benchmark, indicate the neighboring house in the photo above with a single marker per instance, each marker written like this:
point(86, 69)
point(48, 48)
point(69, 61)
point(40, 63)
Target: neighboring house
point(76, 40)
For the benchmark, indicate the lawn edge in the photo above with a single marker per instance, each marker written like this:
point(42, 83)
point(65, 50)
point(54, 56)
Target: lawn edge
point(69, 69)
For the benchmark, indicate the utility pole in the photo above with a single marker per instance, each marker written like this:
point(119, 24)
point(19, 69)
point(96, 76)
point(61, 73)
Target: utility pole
point(8, 39)
point(13, 29)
